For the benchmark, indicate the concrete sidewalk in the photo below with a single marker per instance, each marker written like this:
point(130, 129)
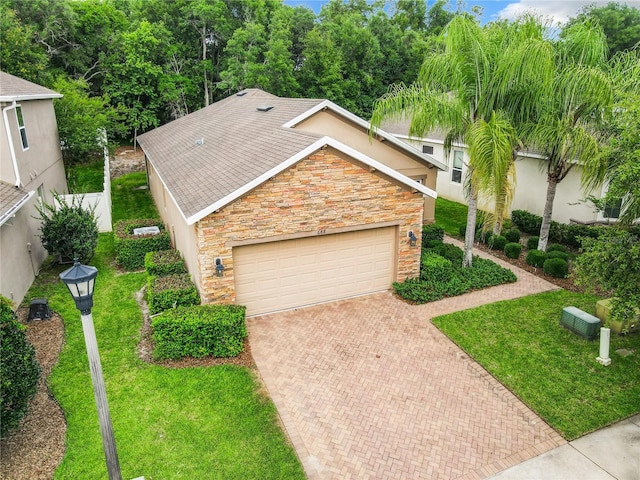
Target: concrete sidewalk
point(612, 453)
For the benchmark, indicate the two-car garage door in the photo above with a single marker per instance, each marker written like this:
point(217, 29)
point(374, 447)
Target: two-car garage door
point(292, 273)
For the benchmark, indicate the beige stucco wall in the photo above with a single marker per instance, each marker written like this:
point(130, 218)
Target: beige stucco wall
point(531, 187)
point(41, 170)
point(183, 236)
point(324, 192)
point(333, 125)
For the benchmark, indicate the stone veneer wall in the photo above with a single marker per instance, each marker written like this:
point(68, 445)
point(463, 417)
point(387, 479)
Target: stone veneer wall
point(322, 192)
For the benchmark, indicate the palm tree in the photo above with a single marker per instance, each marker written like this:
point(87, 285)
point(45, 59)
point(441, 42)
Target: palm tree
point(460, 90)
point(572, 106)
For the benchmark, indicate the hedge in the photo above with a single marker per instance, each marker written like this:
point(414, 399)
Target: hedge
point(19, 372)
point(513, 250)
point(164, 262)
point(447, 250)
point(131, 249)
point(498, 242)
point(512, 235)
point(568, 234)
point(558, 254)
point(435, 269)
point(556, 267)
point(205, 330)
point(536, 258)
point(171, 291)
point(432, 232)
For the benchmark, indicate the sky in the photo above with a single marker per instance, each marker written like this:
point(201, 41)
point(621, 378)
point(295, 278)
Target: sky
point(556, 10)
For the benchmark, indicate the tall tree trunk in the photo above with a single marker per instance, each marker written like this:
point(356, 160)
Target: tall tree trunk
point(470, 234)
point(203, 38)
point(552, 184)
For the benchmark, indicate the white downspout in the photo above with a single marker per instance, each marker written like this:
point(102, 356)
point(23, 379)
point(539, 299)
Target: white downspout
point(14, 160)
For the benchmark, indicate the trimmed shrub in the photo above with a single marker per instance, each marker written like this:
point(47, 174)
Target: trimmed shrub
point(558, 254)
point(417, 291)
point(556, 247)
point(171, 291)
point(448, 251)
point(432, 232)
point(556, 267)
point(536, 258)
point(131, 249)
point(526, 222)
point(512, 250)
point(532, 243)
point(164, 262)
point(202, 331)
point(498, 242)
point(432, 244)
point(20, 372)
point(486, 237)
point(435, 269)
point(512, 235)
point(68, 230)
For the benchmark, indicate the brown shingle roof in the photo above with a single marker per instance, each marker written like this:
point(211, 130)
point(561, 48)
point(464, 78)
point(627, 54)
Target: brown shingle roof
point(213, 152)
point(15, 88)
point(11, 199)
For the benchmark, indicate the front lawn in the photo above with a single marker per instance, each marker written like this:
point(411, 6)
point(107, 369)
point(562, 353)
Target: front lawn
point(450, 216)
point(191, 423)
point(552, 370)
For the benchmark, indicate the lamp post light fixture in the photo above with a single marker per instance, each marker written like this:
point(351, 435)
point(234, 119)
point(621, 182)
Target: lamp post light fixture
point(412, 238)
point(219, 267)
point(80, 280)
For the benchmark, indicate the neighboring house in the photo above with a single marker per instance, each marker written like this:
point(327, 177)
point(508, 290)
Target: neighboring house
point(30, 168)
point(291, 197)
point(531, 180)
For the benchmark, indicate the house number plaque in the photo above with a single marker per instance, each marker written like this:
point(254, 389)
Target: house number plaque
point(322, 232)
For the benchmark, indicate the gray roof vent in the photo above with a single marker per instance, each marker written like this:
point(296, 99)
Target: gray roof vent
point(264, 108)
point(241, 94)
point(199, 141)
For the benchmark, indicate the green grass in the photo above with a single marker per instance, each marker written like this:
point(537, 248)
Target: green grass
point(521, 343)
point(86, 178)
point(450, 216)
point(191, 423)
point(129, 200)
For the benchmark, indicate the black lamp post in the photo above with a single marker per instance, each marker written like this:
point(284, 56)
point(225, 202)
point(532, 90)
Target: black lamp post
point(80, 280)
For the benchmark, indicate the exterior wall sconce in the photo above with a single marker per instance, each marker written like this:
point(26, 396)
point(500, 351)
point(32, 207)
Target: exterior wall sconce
point(219, 267)
point(412, 238)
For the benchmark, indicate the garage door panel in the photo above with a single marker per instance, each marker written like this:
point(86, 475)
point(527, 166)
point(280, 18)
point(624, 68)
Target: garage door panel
point(279, 275)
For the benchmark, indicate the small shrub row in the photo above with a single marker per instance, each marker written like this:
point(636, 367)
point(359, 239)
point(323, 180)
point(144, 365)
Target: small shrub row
point(441, 278)
point(171, 291)
point(131, 249)
point(568, 234)
point(432, 232)
point(164, 262)
point(555, 263)
point(20, 372)
point(512, 250)
point(204, 330)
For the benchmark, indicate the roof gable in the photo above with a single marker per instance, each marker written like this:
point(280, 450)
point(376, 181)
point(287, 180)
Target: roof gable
point(13, 88)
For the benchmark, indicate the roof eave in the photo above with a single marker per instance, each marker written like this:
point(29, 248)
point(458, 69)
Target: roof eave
point(14, 209)
point(21, 98)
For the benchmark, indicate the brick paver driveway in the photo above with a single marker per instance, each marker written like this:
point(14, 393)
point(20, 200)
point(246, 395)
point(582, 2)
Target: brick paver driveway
point(368, 388)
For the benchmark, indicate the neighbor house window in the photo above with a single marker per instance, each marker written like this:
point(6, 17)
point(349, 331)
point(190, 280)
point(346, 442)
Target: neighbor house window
point(456, 167)
point(612, 210)
point(22, 129)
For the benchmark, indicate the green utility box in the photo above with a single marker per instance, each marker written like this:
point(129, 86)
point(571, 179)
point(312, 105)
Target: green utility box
point(580, 322)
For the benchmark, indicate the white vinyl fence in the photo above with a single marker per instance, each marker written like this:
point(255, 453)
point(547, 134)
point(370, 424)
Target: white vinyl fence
point(101, 200)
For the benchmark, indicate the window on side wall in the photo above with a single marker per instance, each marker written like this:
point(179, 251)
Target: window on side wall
point(41, 197)
point(612, 210)
point(21, 128)
point(456, 167)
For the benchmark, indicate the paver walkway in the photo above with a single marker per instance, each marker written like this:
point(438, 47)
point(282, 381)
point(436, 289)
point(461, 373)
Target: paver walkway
point(368, 388)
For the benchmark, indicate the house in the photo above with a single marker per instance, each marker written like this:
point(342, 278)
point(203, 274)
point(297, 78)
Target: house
point(277, 203)
point(30, 168)
point(531, 180)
